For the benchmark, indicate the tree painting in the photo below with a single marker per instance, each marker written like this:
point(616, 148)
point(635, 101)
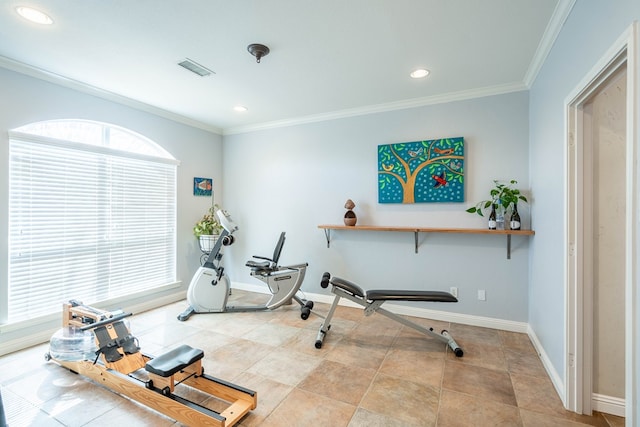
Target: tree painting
point(421, 171)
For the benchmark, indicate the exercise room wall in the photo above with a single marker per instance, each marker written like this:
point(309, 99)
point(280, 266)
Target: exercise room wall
point(294, 178)
point(590, 30)
point(26, 99)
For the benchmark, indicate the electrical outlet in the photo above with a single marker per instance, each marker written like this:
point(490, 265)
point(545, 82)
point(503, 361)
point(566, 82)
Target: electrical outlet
point(453, 291)
point(482, 295)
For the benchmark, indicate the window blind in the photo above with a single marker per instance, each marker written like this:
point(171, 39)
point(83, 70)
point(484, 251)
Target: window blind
point(86, 224)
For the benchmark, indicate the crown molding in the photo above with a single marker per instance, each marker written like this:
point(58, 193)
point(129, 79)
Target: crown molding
point(381, 108)
point(558, 18)
point(39, 73)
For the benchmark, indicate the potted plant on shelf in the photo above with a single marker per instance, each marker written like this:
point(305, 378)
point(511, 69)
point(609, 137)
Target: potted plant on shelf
point(504, 197)
point(208, 229)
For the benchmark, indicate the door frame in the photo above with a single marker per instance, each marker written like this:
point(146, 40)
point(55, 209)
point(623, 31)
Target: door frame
point(579, 248)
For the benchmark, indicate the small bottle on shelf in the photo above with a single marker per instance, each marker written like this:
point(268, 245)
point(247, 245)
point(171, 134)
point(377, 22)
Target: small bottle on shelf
point(492, 217)
point(514, 224)
point(500, 216)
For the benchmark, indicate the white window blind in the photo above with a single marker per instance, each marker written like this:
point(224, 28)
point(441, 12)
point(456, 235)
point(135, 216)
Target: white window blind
point(86, 222)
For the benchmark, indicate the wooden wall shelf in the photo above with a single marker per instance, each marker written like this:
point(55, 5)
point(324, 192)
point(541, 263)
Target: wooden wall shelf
point(417, 230)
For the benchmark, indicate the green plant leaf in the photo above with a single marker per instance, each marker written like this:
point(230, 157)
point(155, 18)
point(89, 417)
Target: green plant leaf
point(502, 193)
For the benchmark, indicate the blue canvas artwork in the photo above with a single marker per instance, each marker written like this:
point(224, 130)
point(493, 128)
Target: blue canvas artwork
point(430, 171)
point(202, 186)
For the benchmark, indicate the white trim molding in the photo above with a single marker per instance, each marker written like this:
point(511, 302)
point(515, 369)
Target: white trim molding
point(39, 73)
point(42, 336)
point(445, 316)
point(608, 404)
point(560, 15)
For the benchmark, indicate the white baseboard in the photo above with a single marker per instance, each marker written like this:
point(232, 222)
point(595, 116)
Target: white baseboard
point(158, 302)
point(556, 380)
point(599, 402)
point(445, 316)
point(43, 336)
point(28, 341)
point(608, 404)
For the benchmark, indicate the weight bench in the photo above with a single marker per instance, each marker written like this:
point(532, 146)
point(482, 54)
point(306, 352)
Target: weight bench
point(372, 302)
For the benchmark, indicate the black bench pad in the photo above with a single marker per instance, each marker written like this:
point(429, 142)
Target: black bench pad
point(392, 294)
point(174, 360)
point(348, 286)
point(396, 295)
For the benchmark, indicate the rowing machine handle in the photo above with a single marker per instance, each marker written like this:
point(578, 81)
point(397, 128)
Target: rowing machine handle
point(325, 280)
point(105, 321)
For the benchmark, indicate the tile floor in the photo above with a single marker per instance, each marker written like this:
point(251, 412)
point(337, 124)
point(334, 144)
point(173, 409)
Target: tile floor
point(370, 372)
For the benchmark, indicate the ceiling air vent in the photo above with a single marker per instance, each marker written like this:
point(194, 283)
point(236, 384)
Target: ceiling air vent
point(194, 67)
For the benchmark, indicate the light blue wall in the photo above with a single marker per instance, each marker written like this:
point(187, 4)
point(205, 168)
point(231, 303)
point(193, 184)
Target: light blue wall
point(591, 29)
point(292, 179)
point(25, 99)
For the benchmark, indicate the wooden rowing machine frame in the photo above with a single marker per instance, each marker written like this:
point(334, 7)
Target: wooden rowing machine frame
point(157, 391)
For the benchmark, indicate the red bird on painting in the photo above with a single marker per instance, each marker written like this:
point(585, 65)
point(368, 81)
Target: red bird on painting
point(440, 180)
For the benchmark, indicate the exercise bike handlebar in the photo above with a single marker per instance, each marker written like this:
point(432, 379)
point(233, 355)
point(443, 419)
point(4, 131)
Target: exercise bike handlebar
point(225, 220)
point(225, 239)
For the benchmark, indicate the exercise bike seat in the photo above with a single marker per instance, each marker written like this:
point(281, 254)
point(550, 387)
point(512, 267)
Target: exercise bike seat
point(269, 264)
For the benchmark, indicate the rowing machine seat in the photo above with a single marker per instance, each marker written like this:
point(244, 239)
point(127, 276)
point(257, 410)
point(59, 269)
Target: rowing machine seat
point(174, 360)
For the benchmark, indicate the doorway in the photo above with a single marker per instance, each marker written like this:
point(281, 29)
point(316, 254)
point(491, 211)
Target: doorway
point(605, 124)
point(600, 230)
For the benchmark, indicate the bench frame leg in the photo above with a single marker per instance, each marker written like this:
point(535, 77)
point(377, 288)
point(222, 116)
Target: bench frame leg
point(326, 324)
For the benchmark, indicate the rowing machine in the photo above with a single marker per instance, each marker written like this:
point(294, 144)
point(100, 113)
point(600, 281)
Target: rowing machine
point(151, 381)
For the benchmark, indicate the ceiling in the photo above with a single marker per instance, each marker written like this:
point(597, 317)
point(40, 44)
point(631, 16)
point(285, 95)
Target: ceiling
point(329, 58)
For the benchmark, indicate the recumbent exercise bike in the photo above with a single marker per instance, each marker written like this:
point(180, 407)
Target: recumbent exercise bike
point(209, 287)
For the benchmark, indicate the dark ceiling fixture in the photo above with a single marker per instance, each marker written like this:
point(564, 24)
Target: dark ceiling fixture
point(258, 50)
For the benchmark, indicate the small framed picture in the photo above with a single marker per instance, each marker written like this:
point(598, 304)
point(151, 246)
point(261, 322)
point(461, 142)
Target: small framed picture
point(202, 186)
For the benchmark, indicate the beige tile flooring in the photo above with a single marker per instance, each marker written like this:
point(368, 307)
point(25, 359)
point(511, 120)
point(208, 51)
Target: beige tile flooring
point(370, 372)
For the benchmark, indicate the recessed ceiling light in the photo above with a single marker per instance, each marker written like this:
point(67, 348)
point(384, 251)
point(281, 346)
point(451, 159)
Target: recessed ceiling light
point(419, 73)
point(240, 108)
point(34, 15)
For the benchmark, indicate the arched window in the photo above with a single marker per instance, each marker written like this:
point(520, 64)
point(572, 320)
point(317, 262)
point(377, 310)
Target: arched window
point(92, 216)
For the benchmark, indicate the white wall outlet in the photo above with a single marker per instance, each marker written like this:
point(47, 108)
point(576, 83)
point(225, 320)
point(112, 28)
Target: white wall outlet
point(482, 295)
point(453, 291)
